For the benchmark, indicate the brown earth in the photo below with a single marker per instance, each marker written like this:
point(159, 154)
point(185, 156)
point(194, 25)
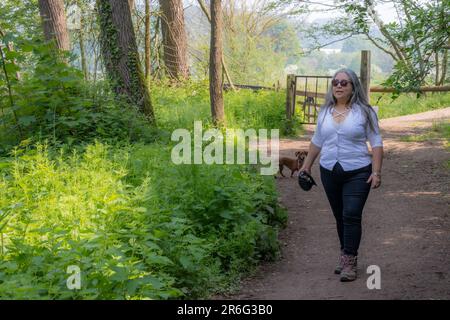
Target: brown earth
point(406, 226)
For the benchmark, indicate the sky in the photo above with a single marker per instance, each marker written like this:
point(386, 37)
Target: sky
point(386, 10)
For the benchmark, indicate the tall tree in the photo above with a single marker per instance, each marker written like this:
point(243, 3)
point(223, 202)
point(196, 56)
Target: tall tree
point(54, 23)
point(81, 40)
point(225, 69)
point(120, 54)
point(147, 41)
point(215, 63)
point(174, 38)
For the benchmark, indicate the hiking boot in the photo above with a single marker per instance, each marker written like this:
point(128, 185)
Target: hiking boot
point(348, 272)
point(340, 264)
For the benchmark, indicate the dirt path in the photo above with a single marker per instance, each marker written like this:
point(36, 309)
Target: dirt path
point(406, 227)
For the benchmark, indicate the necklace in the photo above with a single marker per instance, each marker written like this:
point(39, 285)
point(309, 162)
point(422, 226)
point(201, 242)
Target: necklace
point(338, 113)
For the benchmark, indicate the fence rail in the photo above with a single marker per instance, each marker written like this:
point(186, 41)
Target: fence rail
point(423, 89)
point(226, 86)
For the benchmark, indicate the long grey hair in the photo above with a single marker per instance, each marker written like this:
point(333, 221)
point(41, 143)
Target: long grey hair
point(358, 98)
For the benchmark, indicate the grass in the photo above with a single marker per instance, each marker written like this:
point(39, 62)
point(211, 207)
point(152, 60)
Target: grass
point(440, 130)
point(179, 107)
point(408, 103)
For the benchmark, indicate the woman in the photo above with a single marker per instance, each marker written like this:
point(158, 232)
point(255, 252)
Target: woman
point(345, 122)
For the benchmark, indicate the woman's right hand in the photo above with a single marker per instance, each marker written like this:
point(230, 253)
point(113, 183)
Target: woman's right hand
point(307, 169)
point(313, 152)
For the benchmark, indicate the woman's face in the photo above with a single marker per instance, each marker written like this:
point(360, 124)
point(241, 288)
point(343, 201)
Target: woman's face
point(340, 92)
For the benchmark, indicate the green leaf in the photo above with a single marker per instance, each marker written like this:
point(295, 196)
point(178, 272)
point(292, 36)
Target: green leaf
point(186, 262)
point(120, 274)
point(155, 282)
point(226, 214)
point(27, 120)
point(27, 48)
point(160, 260)
point(11, 68)
point(11, 55)
point(132, 285)
point(4, 165)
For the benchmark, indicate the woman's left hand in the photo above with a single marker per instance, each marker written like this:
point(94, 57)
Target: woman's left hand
point(376, 181)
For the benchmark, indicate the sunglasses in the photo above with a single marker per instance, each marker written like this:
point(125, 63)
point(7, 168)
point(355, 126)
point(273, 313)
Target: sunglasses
point(344, 83)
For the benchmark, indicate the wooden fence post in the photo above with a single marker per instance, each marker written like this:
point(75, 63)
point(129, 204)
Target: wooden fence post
point(365, 72)
point(290, 92)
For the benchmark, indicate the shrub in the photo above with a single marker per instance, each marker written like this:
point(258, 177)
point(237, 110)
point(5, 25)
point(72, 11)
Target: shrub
point(136, 225)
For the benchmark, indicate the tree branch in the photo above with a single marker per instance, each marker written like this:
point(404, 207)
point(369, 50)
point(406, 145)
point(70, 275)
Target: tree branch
point(408, 17)
point(381, 48)
point(374, 16)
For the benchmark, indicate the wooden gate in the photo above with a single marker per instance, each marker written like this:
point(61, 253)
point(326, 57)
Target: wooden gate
point(308, 92)
point(309, 95)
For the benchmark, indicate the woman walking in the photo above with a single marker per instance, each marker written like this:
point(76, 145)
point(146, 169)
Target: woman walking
point(347, 171)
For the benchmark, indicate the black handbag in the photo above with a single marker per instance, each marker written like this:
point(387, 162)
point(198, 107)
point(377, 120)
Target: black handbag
point(306, 181)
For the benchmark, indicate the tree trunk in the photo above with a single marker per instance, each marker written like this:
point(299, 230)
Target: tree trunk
point(96, 62)
point(54, 23)
point(444, 67)
point(225, 69)
point(132, 6)
point(174, 38)
point(158, 50)
point(120, 54)
point(436, 58)
point(147, 41)
point(84, 66)
point(215, 64)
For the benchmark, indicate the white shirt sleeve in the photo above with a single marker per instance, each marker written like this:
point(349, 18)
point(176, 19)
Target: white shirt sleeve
point(374, 137)
point(317, 137)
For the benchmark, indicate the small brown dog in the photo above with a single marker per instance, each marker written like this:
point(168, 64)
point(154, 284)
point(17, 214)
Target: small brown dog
point(293, 164)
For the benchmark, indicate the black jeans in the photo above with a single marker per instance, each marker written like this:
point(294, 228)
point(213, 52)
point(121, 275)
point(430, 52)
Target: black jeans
point(347, 192)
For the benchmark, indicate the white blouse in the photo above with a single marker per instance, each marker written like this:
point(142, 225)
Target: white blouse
point(346, 141)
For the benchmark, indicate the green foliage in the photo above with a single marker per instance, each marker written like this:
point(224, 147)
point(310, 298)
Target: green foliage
point(413, 41)
point(423, 20)
point(136, 225)
point(76, 211)
point(52, 101)
point(257, 110)
point(255, 60)
point(21, 19)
